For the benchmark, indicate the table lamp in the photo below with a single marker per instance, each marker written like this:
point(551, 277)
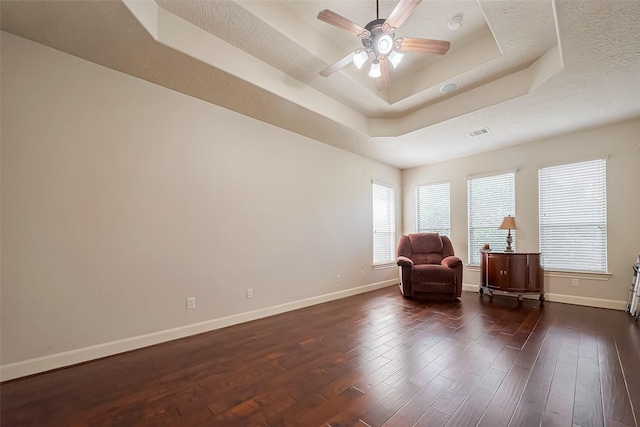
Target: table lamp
point(508, 223)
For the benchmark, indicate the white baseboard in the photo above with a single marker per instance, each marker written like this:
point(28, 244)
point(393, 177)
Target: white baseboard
point(589, 302)
point(73, 357)
point(470, 288)
point(569, 299)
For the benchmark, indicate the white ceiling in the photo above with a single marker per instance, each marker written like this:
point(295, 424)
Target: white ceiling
point(526, 69)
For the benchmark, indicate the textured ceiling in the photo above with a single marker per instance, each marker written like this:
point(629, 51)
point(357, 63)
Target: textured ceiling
point(526, 69)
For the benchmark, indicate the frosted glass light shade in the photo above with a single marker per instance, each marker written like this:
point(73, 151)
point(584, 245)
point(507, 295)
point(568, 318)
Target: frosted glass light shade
point(375, 69)
point(359, 59)
point(395, 58)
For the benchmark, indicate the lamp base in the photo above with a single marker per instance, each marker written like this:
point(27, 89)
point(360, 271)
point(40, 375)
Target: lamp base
point(509, 240)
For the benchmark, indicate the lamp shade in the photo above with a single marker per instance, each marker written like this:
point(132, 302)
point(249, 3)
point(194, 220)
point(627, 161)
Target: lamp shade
point(508, 223)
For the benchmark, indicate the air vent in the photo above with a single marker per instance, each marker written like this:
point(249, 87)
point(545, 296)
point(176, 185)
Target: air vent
point(477, 132)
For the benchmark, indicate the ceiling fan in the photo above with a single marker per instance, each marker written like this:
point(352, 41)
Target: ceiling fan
point(379, 41)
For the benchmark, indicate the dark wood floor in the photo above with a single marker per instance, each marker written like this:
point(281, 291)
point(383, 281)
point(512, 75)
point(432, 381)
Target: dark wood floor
point(373, 359)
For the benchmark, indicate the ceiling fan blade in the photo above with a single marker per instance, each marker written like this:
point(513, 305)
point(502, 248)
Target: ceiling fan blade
point(343, 23)
point(437, 47)
point(400, 14)
point(383, 81)
point(337, 65)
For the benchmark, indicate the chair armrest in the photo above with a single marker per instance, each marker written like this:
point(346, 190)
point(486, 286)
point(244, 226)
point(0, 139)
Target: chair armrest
point(451, 261)
point(403, 261)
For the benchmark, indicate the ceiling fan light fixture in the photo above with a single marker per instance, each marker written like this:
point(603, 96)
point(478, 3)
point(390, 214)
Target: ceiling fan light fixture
point(384, 44)
point(360, 58)
point(379, 41)
point(395, 58)
point(375, 69)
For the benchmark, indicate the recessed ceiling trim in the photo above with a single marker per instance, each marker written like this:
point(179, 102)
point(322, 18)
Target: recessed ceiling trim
point(548, 65)
point(498, 91)
point(282, 19)
point(455, 63)
point(493, 33)
point(185, 37)
point(146, 13)
point(554, 7)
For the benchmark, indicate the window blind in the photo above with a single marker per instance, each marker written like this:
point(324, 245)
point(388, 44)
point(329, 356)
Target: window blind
point(384, 224)
point(573, 216)
point(433, 208)
point(489, 199)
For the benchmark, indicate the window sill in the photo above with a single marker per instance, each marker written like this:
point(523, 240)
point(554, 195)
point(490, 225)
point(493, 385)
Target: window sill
point(383, 266)
point(577, 274)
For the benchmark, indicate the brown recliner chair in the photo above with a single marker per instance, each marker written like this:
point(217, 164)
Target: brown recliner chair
point(428, 267)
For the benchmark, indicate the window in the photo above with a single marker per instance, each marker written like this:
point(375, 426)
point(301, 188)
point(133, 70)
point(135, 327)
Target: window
point(384, 224)
point(490, 199)
point(573, 216)
point(433, 213)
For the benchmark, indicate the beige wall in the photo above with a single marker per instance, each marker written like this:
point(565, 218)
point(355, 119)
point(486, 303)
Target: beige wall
point(121, 198)
point(620, 142)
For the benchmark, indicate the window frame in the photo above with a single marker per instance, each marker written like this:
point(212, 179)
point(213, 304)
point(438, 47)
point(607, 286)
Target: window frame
point(418, 197)
point(494, 214)
point(571, 216)
point(391, 222)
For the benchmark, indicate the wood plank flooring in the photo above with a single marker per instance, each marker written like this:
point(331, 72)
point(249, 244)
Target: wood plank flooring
point(374, 359)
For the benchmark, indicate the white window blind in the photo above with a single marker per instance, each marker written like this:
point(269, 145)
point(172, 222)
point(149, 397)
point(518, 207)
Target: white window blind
point(573, 216)
point(384, 224)
point(490, 199)
point(433, 208)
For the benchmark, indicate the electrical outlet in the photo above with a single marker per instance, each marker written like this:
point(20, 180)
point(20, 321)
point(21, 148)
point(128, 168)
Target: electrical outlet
point(361, 273)
point(191, 303)
point(337, 278)
point(249, 293)
point(575, 283)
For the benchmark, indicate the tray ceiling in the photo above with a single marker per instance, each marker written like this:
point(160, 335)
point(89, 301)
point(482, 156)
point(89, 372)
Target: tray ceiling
point(525, 69)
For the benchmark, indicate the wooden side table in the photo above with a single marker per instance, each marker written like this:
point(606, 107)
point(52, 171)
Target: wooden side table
point(511, 273)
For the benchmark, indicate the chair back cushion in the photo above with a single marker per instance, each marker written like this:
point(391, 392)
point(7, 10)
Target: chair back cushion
point(422, 248)
point(425, 243)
